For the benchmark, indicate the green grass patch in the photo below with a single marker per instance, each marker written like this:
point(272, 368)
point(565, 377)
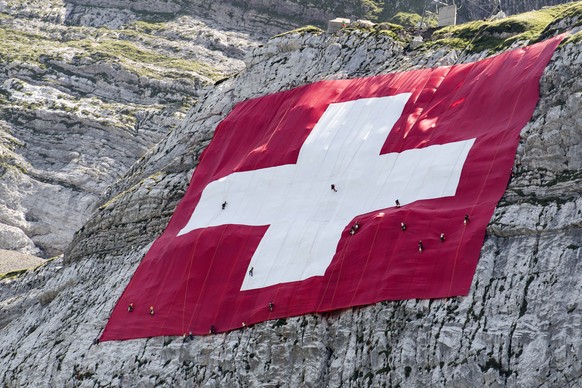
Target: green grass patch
point(494, 35)
point(301, 31)
point(140, 60)
point(149, 27)
point(389, 26)
point(394, 31)
point(16, 46)
point(371, 9)
point(406, 19)
point(412, 20)
point(13, 274)
point(10, 164)
point(574, 38)
point(23, 47)
point(389, 33)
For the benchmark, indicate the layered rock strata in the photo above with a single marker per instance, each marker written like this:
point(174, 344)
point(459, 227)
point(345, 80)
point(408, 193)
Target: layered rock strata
point(520, 325)
point(79, 105)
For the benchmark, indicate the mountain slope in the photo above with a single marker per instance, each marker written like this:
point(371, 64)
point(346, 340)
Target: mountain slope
point(79, 105)
point(111, 79)
point(520, 325)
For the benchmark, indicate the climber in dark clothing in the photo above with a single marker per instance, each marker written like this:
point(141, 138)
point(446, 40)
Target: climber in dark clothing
point(355, 228)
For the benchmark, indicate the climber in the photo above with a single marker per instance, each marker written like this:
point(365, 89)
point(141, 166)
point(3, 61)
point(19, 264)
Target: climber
point(95, 341)
point(152, 310)
point(466, 221)
point(191, 336)
point(130, 307)
point(397, 203)
point(333, 188)
point(403, 226)
point(251, 271)
point(271, 306)
point(420, 246)
point(224, 205)
point(355, 228)
point(442, 237)
point(212, 329)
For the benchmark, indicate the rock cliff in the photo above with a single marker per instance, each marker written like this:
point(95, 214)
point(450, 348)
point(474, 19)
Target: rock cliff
point(521, 324)
point(79, 105)
point(111, 79)
point(270, 17)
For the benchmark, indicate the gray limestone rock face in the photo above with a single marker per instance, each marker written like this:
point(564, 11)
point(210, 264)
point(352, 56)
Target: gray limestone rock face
point(80, 105)
point(263, 17)
point(111, 78)
point(520, 325)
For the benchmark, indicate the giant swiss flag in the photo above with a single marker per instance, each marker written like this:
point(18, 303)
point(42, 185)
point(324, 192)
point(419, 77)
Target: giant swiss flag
point(293, 207)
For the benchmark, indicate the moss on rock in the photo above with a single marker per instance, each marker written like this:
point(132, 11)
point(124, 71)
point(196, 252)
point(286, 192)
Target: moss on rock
point(302, 30)
point(495, 35)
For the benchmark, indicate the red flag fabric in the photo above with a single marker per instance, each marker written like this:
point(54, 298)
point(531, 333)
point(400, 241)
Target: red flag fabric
point(252, 237)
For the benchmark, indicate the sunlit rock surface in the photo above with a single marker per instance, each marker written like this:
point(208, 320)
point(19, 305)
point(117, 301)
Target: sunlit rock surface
point(80, 104)
point(521, 324)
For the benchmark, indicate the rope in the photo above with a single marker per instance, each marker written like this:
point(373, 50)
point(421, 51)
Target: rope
point(206, 278)
point(228, 281)
point(366, 263)
point(342, 260)
point(186, 273)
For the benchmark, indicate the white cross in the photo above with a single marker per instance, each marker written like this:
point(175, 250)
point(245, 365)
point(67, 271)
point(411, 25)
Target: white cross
point(305, 217)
